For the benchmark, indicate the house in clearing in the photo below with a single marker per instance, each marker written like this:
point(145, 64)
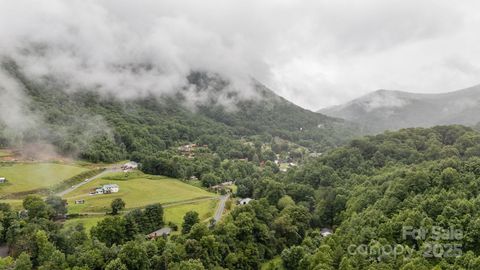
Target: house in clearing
point(110, 188)
point(225, 186)
point(245, 201)
point(326, 232)
point(3, 180)
point(107, 189)
point(79, 201)
point(131, 165)
point(163, 232)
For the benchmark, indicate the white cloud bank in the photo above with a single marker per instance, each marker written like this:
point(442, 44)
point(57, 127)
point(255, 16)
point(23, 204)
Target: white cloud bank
point(315, 53)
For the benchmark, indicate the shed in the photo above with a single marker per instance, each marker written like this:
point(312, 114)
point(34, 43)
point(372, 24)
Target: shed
point(326, 232)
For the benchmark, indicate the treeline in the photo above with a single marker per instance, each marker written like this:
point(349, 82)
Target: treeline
point(208, 166)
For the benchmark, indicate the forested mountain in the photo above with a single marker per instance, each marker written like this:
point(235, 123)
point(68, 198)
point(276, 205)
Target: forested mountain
point(384, 109)
point(373, 193)
point(105, 128)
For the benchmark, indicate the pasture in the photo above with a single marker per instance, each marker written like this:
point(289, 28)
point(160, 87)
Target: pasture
point(136, 193)
point(25, 177)
point(173, 214)
point(205, 210)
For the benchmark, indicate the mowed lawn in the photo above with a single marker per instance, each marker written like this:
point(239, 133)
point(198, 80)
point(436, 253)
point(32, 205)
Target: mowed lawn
point(88, 222)
point(205, 210)
point(31, 176)
point(175, 214)
point(136, 193)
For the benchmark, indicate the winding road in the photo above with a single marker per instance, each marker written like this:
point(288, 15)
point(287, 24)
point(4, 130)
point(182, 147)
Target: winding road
point(72, 188)
point(221, 207)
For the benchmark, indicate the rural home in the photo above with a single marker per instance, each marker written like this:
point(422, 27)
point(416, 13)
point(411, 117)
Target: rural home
point(244, 201)
point(326, 232)
point(3, 180)
point(107, 189)
point(223, 186)
point(165, 231)
point(187, 148)
point(131, 165)
point(79, 201)
point(111, 188)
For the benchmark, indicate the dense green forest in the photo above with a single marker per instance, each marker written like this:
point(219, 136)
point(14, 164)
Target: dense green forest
point(104, 128)
point(372, 193)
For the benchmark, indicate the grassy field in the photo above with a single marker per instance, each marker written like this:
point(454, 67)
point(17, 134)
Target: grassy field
point(136, 193)
point(24, 177)
point(4, 153)
point(16, 204)
point(205, 210)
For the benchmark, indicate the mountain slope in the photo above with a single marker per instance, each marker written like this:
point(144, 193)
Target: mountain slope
point(105, 128)
point(384, 109)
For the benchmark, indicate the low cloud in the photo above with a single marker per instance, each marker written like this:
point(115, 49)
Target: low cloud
point(14, 113)
point(315, 53)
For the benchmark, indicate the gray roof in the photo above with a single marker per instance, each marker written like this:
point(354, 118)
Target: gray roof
point(160, 232)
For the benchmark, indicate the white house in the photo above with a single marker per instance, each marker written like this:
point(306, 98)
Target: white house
point(111, 188)
point(107, 189)
point(245, 201)
point(2, 180)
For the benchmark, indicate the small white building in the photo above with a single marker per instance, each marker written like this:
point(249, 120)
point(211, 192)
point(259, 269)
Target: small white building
point(111, 188)
point(107, 189)
point(245, 201)
point(3, 180)
point(326, 232)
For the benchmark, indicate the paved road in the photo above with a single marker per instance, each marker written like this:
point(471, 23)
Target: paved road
point(221, 207)
point(72, 188)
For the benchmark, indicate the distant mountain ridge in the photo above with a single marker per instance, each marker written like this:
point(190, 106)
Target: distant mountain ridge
point(104, 128)
point(389, 110)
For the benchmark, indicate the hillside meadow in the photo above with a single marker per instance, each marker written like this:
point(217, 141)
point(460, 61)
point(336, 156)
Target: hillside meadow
point(175, 214)
point(136, 192)
point(24, 177)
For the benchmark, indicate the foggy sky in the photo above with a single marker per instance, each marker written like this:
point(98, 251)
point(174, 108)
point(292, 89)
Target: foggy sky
point(315, 53)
